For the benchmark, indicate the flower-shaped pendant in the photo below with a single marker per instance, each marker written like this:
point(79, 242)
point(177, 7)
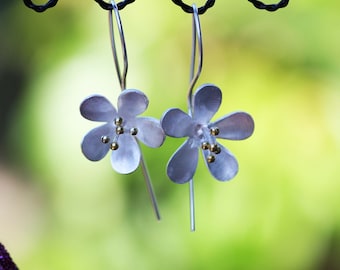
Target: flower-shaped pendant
point(121, 131)
point(202, 135)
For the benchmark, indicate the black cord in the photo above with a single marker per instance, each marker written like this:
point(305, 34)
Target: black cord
point(40, 8)
point(185, 7)
point(270, 7)
point(52, 3)
point(108, 6)
point(189, 9)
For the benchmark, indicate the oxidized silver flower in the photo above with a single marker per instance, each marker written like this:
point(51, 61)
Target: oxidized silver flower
point(203, 134)
point(121, 131)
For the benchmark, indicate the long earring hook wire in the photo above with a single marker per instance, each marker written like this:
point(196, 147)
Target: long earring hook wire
point(122, 80)
point(197, 44)
point(120, 73)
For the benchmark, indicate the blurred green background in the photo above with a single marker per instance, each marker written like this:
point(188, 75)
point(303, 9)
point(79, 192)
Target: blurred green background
point(61, 211)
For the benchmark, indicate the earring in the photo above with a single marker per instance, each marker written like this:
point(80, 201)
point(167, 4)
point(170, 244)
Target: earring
point(196, 125)
point(123, 129)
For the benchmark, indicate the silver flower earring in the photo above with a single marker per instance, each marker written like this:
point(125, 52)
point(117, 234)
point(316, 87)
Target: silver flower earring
point(122, 129)
point(197, 126)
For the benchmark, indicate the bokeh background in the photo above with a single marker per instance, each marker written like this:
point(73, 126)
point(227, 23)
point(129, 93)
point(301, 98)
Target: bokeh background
point(61, 211)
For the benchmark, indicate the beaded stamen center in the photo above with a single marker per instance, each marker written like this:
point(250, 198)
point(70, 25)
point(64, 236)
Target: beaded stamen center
point(213, 148)
point(118, 122)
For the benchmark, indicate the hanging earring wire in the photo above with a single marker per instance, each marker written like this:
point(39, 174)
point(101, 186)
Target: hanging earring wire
point(108, 6)
point(122, 80)
point(40, 8)
point(270, 7)
point(197, 44)
point(120, 73)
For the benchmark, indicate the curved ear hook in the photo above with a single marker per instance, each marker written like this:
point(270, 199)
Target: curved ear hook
point(270, 7)
point(197, 44)
point(120, 73)
point(40, 8)
point(190, 9)
point(108, 6)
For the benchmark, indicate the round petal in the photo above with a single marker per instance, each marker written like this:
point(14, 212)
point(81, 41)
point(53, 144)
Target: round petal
point(225, 166)
point(127, 157)
point(150, 131)
point(177, 123)
point(182, 165)
point(97, 108)
point(207, 100)
point(132, 102)
point(235, 126)
point(92, 146)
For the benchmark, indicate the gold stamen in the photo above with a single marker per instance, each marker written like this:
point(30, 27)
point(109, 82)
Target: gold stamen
point(217, 150)
point(105, 139)
point(214, 131)
point(205, 145)
point(213, 147)
point(133, 131)
point(119, 130)
point(118, 121)
point(114, 146)
point(210, 158)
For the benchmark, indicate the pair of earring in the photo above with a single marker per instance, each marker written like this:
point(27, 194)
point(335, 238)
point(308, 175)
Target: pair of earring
point(123, 129)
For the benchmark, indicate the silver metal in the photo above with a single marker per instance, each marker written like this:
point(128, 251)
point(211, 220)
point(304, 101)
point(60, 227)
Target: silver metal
point(192, 205)
point(149, 187)
point(120, 73)
point(122, 80)
point(196, 44)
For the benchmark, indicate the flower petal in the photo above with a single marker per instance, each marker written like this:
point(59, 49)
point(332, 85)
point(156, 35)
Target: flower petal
point(127, 157)
point(177, 123)
point(207, 100)
point(132, 102)
point(92, 146)
point(97, 108)
point(225, 166)
point(150, 131)
point(183, 163)
point(235, 126)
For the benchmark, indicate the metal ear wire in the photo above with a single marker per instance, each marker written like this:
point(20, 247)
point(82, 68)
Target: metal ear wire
point(270, 7)
point(121, 74)
point(40, 8)
point(122, 80)
point(108, 6)
point(196, 42)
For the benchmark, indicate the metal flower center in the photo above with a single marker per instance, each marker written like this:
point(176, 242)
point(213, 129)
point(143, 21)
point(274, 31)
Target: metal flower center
point(120, 129)
point(209, 143)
